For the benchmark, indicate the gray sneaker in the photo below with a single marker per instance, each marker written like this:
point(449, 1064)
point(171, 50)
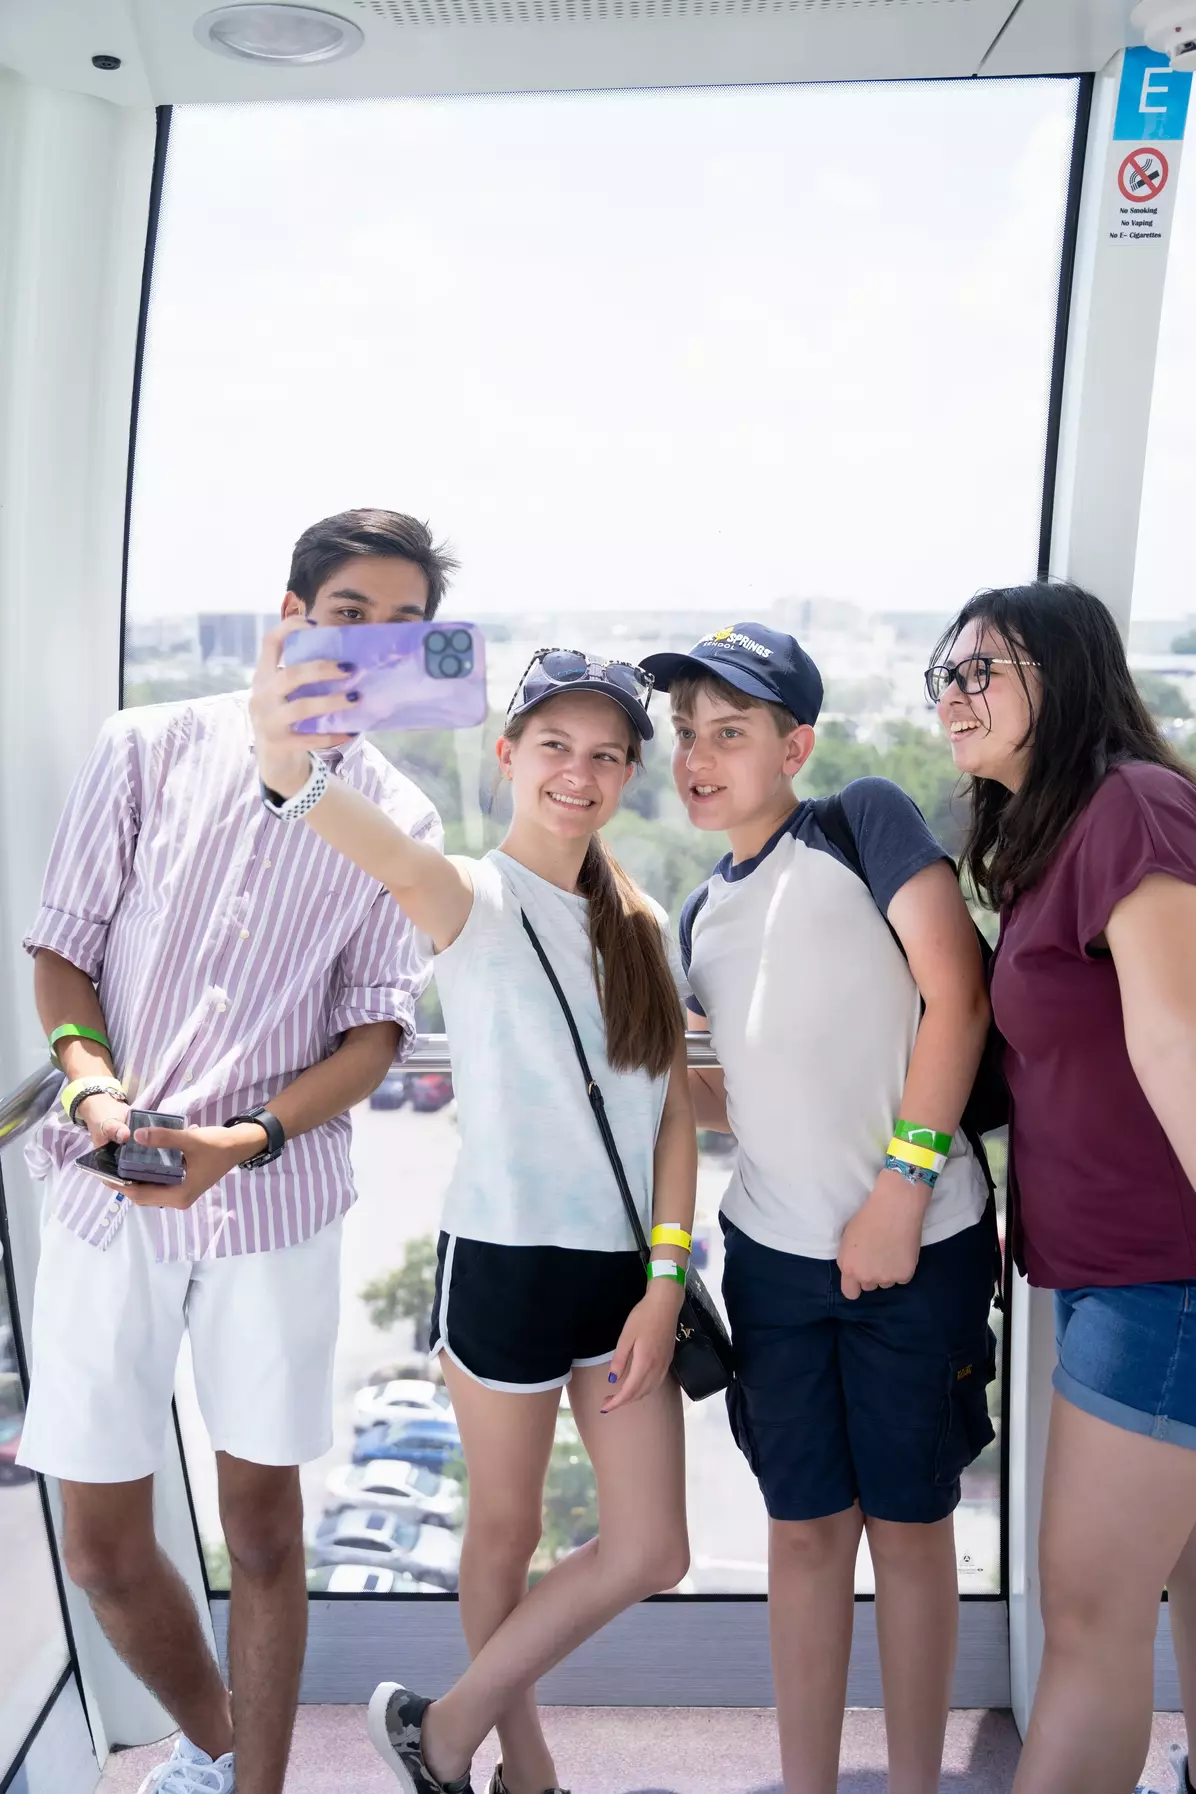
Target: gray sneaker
point(499, 1786)
point(1178, 1756)
point(395, 1722)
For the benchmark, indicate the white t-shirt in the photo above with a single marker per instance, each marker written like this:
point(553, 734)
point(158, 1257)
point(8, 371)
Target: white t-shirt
point(813, 1014)
point(532, 1170)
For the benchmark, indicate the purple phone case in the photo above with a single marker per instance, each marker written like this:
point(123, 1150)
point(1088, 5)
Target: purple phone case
point(408, 675)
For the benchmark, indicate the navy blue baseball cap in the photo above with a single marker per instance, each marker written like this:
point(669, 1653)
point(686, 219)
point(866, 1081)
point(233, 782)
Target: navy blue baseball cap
point(761, 663)
point(556, 670)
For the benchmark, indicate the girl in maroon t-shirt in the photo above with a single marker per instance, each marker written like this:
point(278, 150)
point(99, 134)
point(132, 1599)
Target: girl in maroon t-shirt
point(1083, 833)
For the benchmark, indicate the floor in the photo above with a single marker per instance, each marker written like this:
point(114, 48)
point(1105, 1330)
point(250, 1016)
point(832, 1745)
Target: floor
point(651, 1751)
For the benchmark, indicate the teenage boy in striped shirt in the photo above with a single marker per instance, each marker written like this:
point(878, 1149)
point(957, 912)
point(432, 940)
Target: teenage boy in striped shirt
point(193, 954)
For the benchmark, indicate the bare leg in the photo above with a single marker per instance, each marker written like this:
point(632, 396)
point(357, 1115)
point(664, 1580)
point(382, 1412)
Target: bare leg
point(1118, 1510)
point(1181, 1594)
point(811, 1611)
point(143, 1604)
point(507, 1440)
point(262, 1514)
point(638, 1454)
point(917, 1624)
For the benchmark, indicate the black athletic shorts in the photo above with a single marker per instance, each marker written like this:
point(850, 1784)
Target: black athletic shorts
point(522, 1318)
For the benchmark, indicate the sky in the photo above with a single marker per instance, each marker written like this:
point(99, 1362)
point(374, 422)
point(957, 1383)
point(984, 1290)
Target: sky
point(676, 349)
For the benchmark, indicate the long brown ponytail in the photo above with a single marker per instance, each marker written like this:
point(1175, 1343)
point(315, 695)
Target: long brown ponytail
point(631, 969)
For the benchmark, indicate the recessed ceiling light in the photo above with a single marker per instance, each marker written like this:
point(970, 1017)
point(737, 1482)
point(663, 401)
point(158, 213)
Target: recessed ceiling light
point(278, 33)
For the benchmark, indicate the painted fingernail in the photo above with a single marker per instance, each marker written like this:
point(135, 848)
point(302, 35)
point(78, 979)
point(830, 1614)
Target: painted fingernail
point(346, 666)
point(351, 697)
point(612, 1378)
point(311, 622)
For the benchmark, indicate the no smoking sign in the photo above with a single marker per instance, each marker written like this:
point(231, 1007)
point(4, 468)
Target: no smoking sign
point(1143, 175)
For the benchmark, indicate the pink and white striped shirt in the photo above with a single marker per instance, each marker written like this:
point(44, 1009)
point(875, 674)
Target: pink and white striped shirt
point(230, 950)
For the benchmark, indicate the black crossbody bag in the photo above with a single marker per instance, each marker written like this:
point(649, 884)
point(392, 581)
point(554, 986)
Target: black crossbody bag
point(702, 1360)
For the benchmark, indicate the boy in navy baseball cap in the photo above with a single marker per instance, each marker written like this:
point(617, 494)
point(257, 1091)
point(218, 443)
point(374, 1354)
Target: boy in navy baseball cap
point(860, 1239)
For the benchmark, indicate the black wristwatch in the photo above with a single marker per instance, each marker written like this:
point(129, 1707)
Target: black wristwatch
point(275, 1137)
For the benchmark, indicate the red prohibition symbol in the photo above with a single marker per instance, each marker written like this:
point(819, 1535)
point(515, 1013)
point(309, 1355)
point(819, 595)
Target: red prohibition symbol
point(1143, 175)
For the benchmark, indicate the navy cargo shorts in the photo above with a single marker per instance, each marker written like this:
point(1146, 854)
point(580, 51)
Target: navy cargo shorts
point(881, 1400)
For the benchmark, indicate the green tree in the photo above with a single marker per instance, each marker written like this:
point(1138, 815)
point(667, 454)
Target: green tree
point(1162, 697)
point(570, 1500)
point(141, 689)
point(408, 1293)
point(917, 759)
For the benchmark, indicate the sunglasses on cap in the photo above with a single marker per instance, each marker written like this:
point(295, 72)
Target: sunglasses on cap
point(563, 667)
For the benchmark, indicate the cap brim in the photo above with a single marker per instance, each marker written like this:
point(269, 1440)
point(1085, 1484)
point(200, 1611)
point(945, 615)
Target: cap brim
point(638, 716)
point(667, 667)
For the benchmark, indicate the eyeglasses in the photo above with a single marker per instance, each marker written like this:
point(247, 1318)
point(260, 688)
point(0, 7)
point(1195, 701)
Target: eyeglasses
point(972, 675)
point(564, 666)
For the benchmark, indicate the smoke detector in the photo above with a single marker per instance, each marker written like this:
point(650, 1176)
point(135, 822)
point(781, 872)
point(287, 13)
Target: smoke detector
point(1169, 26)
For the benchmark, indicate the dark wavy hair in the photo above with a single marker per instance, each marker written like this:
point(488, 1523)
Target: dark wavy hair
point(1088, 718)
point(326, 545)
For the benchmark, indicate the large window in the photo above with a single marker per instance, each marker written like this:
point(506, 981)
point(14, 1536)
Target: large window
point(33, 1647)
point(654, 362)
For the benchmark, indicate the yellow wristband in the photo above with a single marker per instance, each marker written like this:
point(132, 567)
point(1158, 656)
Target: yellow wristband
point(672, 1235)
point(916, 1155)
point(73, 1094)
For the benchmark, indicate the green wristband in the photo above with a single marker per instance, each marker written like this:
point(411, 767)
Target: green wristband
point(71, 1031)
point(922, 1136)
point(664, 1268)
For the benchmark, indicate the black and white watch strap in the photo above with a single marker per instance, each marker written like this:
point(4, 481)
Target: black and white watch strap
point(289, 809)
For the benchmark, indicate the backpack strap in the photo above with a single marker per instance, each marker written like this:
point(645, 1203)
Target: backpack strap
point(830, 813)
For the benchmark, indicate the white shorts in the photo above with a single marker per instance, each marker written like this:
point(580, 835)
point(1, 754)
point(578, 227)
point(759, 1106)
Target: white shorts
point(107, 1327)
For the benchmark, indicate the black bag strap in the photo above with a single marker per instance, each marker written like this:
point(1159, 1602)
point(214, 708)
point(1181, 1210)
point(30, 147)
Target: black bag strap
point(594, 1093)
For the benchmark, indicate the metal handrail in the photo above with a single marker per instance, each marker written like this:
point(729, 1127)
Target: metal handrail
point(28, 1102)
point(431, 1053)
point(25, 1105)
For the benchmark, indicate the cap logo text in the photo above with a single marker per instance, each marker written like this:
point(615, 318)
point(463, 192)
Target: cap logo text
point(734, 638)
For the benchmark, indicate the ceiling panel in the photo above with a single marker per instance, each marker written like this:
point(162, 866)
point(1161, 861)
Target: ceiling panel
point(455, 46)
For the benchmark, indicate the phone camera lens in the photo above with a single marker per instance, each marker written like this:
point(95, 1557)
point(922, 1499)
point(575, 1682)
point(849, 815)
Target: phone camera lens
point(450, 667)
point(437, 642)
point(461, 641)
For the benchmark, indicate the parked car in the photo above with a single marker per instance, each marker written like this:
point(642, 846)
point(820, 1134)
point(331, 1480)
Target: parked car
point(432, 1441)
point(10, 1439)
point(392, 1091)
point(364, 1535)
point(356, 1579)
point(397, 1486)
point(428, 1091)
point(397, 1400)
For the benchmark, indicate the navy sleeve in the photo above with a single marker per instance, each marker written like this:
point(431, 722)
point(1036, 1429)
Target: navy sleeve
point(891, 834)
point(685, 933)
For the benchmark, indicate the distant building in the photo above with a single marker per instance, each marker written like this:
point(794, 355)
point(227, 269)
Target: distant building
point(160, 638)
point(234, 635)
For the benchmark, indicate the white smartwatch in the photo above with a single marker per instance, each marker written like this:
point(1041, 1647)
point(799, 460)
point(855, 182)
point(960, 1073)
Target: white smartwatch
point(289, 809)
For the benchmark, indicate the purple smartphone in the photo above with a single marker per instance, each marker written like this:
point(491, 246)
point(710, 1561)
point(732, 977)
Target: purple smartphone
point(406, 675)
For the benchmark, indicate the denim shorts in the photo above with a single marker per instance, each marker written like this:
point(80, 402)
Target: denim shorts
point(1128, 1355)
point(881, 1400)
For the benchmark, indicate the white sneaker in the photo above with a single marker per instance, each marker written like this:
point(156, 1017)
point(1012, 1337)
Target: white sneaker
point(189, 1770)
